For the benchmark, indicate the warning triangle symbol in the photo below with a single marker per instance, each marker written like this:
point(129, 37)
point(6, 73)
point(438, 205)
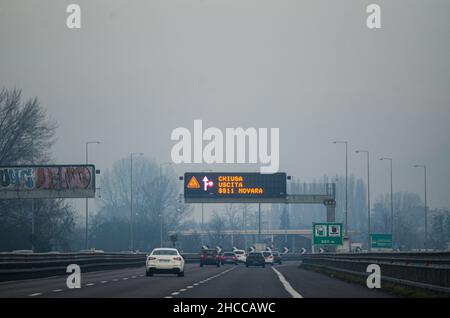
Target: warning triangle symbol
point(193, 183)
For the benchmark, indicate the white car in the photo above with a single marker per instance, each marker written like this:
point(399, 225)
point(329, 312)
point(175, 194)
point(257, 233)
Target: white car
point(268, 257)
point(164, 260)
point(241, 256)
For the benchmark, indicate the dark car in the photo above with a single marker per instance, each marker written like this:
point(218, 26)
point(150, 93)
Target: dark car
point(229, 258)
point(276, 257)
point(209, 257)
point(255, 259)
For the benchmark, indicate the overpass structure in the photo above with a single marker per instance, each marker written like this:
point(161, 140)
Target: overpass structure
point(244, 232)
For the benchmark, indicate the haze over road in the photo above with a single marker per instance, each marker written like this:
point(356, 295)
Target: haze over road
point(208, 282)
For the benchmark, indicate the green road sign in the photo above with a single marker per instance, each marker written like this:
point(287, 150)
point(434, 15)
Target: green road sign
point(327, 233)
point(381, 241)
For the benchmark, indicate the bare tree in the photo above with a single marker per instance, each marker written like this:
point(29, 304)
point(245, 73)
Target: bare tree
point(26, 134)
point(155, 199)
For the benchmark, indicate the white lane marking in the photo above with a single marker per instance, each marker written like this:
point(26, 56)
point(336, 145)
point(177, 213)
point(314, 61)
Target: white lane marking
point(104, 281)
point(124, 278)
point(286, 285)
point(90, 284)
point(133, 277)
point(168, 297)
point(57, 290)
point(35, 294)
point(201, 282)
point(115, 280)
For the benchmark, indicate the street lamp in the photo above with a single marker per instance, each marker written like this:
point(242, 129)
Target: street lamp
point(346, 187)
point(131, 199)
point(426, 209)
point(392, 199)
point(161, 212)
point(368, 196)
point(87, 204)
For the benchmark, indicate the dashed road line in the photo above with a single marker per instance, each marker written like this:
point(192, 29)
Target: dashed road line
point(57, 290)
point(202, 281)
point(35, 294)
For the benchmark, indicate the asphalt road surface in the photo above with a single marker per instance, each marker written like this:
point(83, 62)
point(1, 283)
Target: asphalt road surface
point(228, 281)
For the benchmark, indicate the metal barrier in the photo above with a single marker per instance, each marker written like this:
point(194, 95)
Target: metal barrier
point(19, 266)
point(426, 270)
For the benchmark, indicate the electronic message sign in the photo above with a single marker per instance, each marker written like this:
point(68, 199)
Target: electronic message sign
point(228, 187)
point(45, 182)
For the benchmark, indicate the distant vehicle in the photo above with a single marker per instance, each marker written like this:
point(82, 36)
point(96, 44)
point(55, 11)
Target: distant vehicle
point(229, 258)
point(164, 260)
point(209, 257)
point(91, 251)
point(277, 258)
point(241, 255)
point(268, 257)
point(255, 259)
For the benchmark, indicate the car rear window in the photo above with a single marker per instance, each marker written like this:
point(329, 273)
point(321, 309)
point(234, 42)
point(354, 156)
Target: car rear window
point(228, 254)
point(239, 252)
point(209, 253)
point(266, 254)
point(254, 255)
point(165, 252)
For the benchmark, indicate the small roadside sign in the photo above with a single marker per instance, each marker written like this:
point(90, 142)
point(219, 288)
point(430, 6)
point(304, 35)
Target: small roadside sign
point(381, 241)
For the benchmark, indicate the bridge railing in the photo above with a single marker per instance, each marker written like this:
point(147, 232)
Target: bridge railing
point(426, 270)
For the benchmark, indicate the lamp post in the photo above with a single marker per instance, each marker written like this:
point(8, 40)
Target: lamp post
point(426, 209)
point(346, 183)
point(161, 211)
point(368, 197)
point(131, 199)
point(392, 198)
point(86, 242)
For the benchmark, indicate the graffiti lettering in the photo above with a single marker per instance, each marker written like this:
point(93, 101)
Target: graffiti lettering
point(46, 178)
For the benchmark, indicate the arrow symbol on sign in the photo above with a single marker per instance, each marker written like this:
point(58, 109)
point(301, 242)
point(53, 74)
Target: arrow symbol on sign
point(205, 183)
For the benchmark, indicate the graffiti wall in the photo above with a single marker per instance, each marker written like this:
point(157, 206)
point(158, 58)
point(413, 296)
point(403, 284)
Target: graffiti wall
point(47, 181)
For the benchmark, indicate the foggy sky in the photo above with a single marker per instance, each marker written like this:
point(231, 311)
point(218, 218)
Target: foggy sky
point(136, 70)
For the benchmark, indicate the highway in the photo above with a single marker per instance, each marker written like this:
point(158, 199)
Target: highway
point(228, 281)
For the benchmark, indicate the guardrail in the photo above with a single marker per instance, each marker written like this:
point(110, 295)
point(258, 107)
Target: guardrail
point(19, 266)
point(425, 270)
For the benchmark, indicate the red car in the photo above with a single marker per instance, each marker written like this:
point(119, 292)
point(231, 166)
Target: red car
point(229, 258)
point(209, 257)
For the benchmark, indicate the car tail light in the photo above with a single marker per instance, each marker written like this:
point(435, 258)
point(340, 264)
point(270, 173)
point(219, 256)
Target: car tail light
point(202, 256)
point(177, 258)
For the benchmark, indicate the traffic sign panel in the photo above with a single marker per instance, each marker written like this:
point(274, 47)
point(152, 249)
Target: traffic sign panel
point(327, 233)
point(381, 241)
point(224, 187)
